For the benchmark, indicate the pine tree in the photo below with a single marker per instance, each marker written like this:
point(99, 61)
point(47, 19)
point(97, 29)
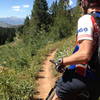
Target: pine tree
point(53, 12)
point(26, 22)
point(40, 15)
point(54, 8)
point(26, 26)
point(76, 13)
point(61, 24)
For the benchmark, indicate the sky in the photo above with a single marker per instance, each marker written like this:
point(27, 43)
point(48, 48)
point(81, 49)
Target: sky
point(20, 8)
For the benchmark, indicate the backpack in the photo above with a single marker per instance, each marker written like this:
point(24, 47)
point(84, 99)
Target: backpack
point(94, 63)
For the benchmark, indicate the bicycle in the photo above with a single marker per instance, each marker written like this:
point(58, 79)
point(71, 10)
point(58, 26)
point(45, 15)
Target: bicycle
point(84, 95)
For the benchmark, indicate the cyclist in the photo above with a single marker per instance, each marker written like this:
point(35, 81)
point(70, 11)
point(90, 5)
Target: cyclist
point(87, 39)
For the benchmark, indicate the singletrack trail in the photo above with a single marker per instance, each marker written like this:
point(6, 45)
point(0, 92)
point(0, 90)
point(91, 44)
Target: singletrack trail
point(45, 78)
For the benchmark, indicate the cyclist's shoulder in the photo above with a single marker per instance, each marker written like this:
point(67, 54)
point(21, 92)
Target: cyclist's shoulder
point(85, 18)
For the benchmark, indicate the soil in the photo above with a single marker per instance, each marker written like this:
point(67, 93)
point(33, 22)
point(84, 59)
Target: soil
point(45, 78)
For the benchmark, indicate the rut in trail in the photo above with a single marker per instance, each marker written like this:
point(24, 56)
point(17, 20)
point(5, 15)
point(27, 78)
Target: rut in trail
point(45, 78)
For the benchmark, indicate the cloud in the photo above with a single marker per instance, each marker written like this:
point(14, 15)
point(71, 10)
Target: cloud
point(16, 8)
point(20, 8)
point(70, 2)
point(26, 6)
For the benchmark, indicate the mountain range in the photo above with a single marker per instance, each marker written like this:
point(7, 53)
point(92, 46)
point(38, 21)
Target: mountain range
point(11, 21)
point(4, 25)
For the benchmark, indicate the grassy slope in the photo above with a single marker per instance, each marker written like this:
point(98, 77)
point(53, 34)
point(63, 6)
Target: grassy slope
point(65, 49)
point(17, 82)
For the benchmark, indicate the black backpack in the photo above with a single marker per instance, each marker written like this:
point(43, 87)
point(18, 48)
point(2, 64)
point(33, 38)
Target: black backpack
point(94, 63)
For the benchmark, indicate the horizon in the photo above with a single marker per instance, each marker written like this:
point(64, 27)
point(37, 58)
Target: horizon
point(21, 9)
point(12, 17)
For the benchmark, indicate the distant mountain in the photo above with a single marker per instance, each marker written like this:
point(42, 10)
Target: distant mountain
point(2, 24)
point(12, 20)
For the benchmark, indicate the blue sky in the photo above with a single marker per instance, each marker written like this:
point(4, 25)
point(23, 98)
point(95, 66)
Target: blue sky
point(20, 8)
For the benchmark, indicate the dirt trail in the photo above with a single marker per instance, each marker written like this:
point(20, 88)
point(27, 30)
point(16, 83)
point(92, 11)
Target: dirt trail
point(45, 78)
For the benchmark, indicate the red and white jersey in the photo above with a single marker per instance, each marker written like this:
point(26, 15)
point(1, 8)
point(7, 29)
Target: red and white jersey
point(85, 28)
point(88, 29)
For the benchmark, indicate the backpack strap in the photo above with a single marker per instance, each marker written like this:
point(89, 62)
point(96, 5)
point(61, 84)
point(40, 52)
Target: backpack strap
point(95, 17)
point(94, 22)
point(94, 63)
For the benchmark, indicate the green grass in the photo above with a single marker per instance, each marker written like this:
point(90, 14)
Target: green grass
point(65, 49)
point(19, 69)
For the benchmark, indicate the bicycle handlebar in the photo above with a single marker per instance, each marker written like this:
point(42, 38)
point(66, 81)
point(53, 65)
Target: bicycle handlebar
point(52, 61)
point(58, 67)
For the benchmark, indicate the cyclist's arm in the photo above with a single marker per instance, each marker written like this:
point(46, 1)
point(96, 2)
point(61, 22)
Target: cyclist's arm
point(82, 55)
point(85, 41)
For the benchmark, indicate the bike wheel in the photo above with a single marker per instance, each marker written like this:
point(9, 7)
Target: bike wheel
point(51, 94)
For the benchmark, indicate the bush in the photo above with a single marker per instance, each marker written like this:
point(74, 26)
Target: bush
point(66, 47)
point(20, 69)
point(15, 86)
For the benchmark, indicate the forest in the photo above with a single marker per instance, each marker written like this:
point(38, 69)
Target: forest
point(6, 35)
point(24, 48)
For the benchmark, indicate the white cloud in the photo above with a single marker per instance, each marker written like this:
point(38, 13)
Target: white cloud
point(16, 8)
point(19, 8)
point(70, 2)
point(26, 6)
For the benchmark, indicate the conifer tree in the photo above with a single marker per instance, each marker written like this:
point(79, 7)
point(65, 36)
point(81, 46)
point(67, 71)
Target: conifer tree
point(54, 8)
point(40, 16)
point(61, 22)
point(26, 26)
point(26, 22)
point(53, 11)
point(76, 13)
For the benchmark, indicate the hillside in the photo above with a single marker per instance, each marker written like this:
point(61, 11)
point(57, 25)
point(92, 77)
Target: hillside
point(42, 33)
point(2, 24)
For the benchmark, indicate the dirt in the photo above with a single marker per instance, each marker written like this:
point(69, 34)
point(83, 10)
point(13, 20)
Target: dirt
point(45, 78)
